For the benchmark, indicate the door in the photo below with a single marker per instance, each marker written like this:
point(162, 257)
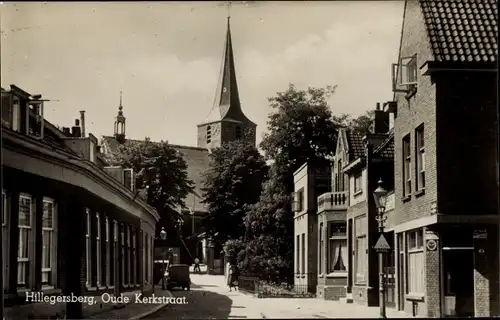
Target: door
point(458, 272)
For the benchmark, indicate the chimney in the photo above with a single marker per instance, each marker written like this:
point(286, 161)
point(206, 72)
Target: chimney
point(76, 130)
point(82, 122)
point(66, 131)
point(381, 121)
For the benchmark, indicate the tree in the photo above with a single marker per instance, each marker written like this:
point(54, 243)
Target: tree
point(301, 129)
point(161, 174)
point(232, 182)
point(362, 124)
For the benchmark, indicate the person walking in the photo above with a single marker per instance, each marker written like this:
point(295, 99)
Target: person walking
point(233, 277)
point(196, 265)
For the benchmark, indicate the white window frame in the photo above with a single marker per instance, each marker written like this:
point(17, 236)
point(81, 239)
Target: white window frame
point(132, 186)
point(361, 255)
point(123, 260)
point(358, 183)
point(49, 270)
point(415, 263)
point(35, 104)
point(129, 257)
point(116, 247)
point(88, 247)
point(108, 253)
point(420, 159)
point(405, 74)
point(16, 114)
point(98, 250)
point(134, 261)
point(6, 238)
point(92, 151)
point(407, 190)
point(23, 262)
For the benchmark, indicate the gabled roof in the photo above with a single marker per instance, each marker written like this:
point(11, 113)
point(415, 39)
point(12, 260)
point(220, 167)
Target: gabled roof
point(197, 160)
point(355, 144)
point(462, 30)
point(227, 105)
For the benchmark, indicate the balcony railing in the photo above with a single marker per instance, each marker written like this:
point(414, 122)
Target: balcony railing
point(332, 201)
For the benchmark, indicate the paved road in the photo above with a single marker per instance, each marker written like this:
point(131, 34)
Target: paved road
point(208, 301)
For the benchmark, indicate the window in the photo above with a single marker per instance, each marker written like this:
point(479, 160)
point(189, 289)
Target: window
point(415, 244)
point(303, 256)
point(420, 159)
point(128, 178)
point(209, 134)
point(338, 248)
point(6, 109)
point(298, 254)
point(108, 253)
point(34, 119)
point(115, 252)
point(406, 166)
point(298, 201)
point(238, 132)
point(134, 257)
point(321, 248)
point(5, 239)
point(340, 176)
point(404, 74)
point(24, 224)
point(92, 149)
point(88, 256)
point(360, 250)
point(358, 187)
point(98, 249)
point(123, 259)
point(48, 241)
point(129, 256)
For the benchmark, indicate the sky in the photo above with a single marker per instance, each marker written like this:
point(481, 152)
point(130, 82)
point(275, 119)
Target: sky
point(166, 57)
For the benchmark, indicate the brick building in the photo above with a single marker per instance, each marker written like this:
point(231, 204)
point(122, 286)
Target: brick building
point(310, 180)
point(446, 198)
point(374, 160)
point(225, 122)
point(69, 225)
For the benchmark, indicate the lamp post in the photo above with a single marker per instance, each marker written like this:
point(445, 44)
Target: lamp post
point(380, 201)
point(163, 237)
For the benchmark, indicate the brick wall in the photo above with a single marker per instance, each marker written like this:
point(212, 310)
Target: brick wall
point(466, 142)
point(432, 276)
point(419, 109)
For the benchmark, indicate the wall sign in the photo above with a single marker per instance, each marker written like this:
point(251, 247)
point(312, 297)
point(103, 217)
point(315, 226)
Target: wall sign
point(431, 245)
point(480, 234)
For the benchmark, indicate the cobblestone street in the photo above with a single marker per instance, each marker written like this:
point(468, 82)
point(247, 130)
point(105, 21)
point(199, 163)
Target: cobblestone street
point(210, 298)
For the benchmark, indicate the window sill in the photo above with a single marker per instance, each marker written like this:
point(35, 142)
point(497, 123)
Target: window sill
point(417, 297)
point(101, 288)
point(357, 193)
point(337, 275)
point(406, 198)
point(420, 193)
point(360, 284)
point(91, 288)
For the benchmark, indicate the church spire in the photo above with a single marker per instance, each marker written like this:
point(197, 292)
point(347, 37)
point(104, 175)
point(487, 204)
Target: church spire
point(120, 123)
point(227, 100)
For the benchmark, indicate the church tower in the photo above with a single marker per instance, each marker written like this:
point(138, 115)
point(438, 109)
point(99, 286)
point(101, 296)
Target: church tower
point(120, 123)
point(226, 121)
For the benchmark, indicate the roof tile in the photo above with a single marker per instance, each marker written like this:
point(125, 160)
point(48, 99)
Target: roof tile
point(462, 30)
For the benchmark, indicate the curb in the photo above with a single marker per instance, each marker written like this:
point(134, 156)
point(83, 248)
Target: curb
point(154, 310)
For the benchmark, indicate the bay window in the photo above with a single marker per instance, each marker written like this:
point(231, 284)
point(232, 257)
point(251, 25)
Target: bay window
point(337, 248)
point(25, 226)
point(5, 239)
point(108, 253)
point(88, 255)
point(98, 249)
point(48, 242)
point(416, 262)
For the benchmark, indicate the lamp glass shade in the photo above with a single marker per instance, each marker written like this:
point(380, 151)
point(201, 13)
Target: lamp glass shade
point(163, 234)
point(380, 197)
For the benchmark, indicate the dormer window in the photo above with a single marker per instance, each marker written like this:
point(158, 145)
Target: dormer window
point(34, 119)
point(238, 132)
point(404, 75)
point(209, 134)
point(11, 111)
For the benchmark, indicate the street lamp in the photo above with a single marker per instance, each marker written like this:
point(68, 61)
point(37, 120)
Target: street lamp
point(163, 237)
point(380, 196)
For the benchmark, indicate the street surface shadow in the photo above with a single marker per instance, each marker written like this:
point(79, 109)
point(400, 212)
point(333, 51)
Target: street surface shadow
point(201, 304)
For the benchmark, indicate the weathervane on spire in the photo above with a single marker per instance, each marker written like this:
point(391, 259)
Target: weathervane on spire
point(228, 11)
point(121, 106)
